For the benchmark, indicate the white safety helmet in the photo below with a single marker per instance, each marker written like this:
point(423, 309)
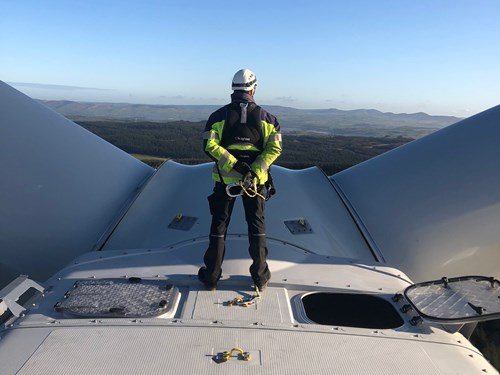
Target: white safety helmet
point(244, 79)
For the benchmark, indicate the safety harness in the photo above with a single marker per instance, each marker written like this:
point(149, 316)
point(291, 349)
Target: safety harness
point(248, 185)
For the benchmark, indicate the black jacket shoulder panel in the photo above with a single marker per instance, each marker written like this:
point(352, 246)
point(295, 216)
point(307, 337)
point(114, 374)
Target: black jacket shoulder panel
point(217, 116)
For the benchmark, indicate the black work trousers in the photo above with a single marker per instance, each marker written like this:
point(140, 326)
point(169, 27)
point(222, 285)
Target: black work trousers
point(221, 206)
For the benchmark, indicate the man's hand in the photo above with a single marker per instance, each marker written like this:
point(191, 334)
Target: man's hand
point(241, 167)
point(249, 179)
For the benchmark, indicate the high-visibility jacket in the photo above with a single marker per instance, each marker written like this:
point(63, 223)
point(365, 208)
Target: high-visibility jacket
point(242, 131)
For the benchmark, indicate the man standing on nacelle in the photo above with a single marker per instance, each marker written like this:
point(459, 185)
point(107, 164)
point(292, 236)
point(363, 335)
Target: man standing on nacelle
point(244, 140)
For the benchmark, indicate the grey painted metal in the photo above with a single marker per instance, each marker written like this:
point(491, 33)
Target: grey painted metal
point(278, 338)
point(60, 186)
point(433, 206)
point(361, 226)
point(180, 189)
point(190, 350)
point(273, 307)
point(12, 292)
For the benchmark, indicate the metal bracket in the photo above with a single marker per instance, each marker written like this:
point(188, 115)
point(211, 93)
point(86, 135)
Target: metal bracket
point(181, 222)
point(11, 293)
point(300, 226)
point(226, 356)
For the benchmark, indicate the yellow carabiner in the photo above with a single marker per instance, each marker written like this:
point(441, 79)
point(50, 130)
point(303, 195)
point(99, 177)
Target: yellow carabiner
point(227, 355)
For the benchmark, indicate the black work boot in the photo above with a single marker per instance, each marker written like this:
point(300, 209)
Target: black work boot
point(261, 284)
point(201, 276)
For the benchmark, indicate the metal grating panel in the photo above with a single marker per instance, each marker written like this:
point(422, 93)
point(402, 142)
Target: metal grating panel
point(456, 299)
point(134, 297)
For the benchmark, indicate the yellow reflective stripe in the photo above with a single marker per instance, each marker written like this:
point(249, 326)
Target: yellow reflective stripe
point(271, 152)
point(267, 130)
point(210, 135)
point(231, 176)
point(243, 147)
point(272, 149)
point(227, 161)
point(214, 149)
point(218, 127)
point(224, 159)
point(261, 163)
point(227, 180)
point(275, 137)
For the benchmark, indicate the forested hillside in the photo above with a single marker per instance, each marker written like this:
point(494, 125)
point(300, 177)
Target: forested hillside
point(182, 141)
point(358, 122)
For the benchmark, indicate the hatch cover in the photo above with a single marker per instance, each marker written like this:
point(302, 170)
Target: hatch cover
point(117, 298)
point(456, 300)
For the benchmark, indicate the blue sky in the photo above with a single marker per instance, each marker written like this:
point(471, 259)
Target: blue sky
point(433, 56)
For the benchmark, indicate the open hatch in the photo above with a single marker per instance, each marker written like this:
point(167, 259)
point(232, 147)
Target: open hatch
point(456, 300)
point(351, 310)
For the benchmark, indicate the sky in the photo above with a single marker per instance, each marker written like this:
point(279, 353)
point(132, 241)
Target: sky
point(440, 57)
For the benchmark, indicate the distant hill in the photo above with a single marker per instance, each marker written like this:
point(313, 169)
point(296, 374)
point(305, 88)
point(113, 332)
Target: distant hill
point(153, 142)
point(361, 122)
